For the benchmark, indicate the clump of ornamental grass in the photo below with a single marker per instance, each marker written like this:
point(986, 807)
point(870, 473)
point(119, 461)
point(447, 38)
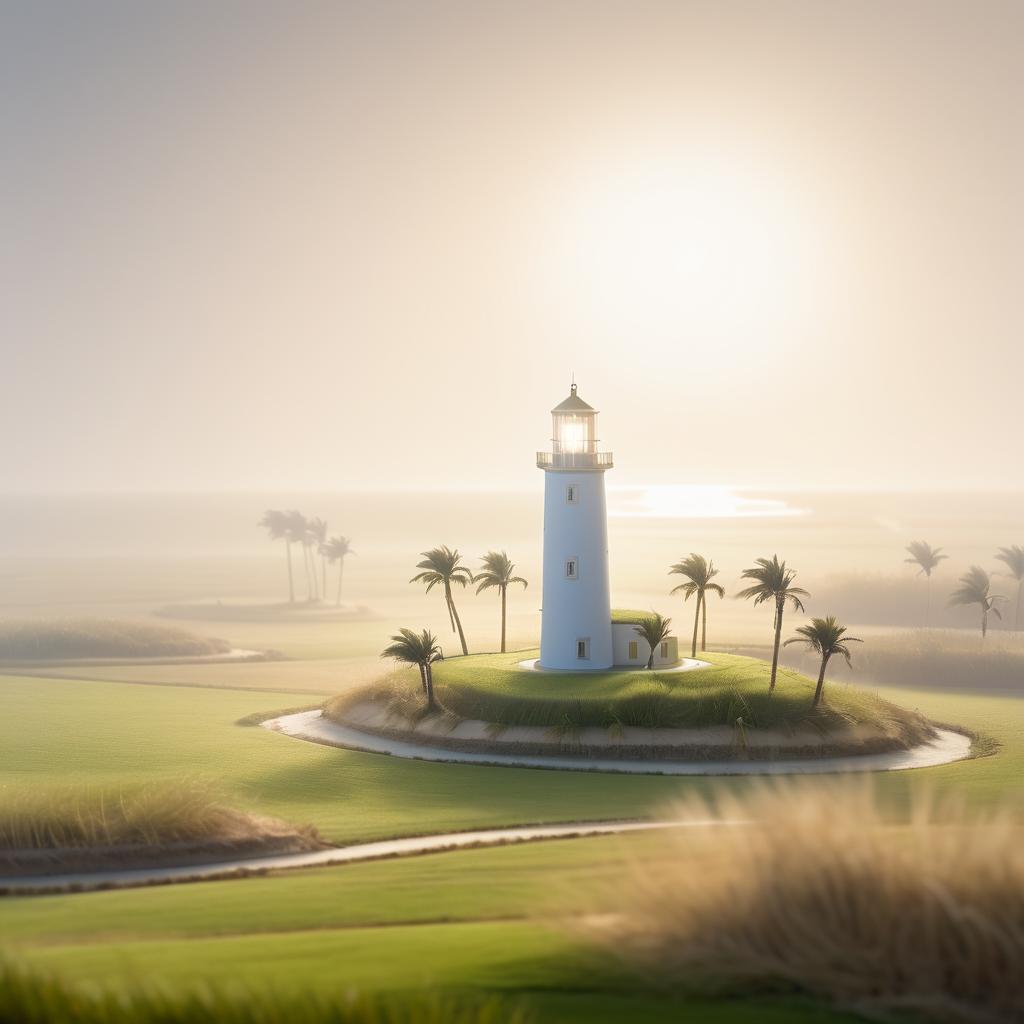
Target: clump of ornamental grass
point(31, 998)
point(148, 815)
point(812, 888)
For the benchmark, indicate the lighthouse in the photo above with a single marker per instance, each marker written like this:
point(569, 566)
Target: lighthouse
point(576, 621)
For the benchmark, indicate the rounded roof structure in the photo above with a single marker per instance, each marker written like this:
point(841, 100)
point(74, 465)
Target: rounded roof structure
point(573, 403)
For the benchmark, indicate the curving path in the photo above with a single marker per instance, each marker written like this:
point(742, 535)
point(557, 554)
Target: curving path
point(311, 725)
point(84, 881)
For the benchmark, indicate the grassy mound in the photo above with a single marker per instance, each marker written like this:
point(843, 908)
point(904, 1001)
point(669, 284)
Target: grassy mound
point(818, 891)
point(86, 826)
point(491, 688)
point(100, 638)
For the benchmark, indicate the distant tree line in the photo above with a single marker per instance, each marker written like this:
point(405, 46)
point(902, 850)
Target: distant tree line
point(975, 585)
point(318, 550)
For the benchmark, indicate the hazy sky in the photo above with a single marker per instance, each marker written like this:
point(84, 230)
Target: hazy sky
point(325, 245)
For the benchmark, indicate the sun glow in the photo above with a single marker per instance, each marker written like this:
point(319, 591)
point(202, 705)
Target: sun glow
point(720, 254)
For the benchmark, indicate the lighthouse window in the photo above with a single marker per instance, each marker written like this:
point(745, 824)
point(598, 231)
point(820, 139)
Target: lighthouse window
point(664, 650)
point(571, 569)
point(583, 648)
point(572, 495)
point(633, 650)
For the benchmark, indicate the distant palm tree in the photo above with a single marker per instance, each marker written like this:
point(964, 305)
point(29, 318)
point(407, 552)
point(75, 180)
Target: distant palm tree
point(774, 584)
point(298, 531)
point(498, 572)
point(275, 522)
point(698, 572)
point(926, 558)
point(1014, 559)
point(336, 550)
point(653, 628)
point(420, 649)
point(975, 585)
point(317, 530)
point(443, 566)
point(827, 638)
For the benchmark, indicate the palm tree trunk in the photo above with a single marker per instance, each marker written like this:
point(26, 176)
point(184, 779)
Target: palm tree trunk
point(927, 599)
point(423, 676)
point(323, 574)
point(650, 660)
point(778, 644)
point(448, 604)
point(291, 578)
point(503, 611)
point(984, 622)
point(305, 567)
point(341, 570)
point(455, 615)
point(704, 622)
point(1016, 614)
point(696, 623)
point(821, 682)
point(431, 703)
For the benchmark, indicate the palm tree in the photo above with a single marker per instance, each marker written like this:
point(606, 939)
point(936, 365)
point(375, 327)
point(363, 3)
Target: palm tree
point(775, 584)
point(927, 558)
point(298, 531)
point(335, 550)
point(317, 529)
point(825, 637)
point(275, 522)
point(444, 566)
point(698, 572)
point(1014, 559)
point(498, 572)
point(653, 628)
point(419, 649)
point(974, 588)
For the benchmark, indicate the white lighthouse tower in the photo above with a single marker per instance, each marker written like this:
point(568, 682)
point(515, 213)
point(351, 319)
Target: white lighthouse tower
point(576, 629)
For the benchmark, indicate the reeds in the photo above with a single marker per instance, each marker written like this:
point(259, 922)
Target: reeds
point(817, 891)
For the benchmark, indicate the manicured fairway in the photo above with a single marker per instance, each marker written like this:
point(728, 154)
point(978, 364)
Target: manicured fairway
point(451, 921)
point(460, 921)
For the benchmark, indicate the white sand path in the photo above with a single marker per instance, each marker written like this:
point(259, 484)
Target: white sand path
point(240, 867)
point(947, 747)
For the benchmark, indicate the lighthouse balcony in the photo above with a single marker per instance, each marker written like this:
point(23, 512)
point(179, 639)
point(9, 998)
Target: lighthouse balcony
point(574, 460)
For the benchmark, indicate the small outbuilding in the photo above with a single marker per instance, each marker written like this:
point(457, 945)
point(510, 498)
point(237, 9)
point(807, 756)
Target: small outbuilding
point(632, 650)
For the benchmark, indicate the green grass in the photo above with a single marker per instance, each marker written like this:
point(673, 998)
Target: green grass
point(100, 638)
point(628, 616)
point(452, 923)
point(456, 918)
point(492, 688)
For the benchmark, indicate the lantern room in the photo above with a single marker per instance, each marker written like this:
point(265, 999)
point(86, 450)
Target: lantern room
point(574, 426)
point(574, 437)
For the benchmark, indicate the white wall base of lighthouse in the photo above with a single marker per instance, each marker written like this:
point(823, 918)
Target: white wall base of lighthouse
point(576, 631)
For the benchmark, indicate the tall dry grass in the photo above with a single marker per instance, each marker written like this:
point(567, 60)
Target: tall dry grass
point(817, 891)
point(31, 998)
point(151, 815)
